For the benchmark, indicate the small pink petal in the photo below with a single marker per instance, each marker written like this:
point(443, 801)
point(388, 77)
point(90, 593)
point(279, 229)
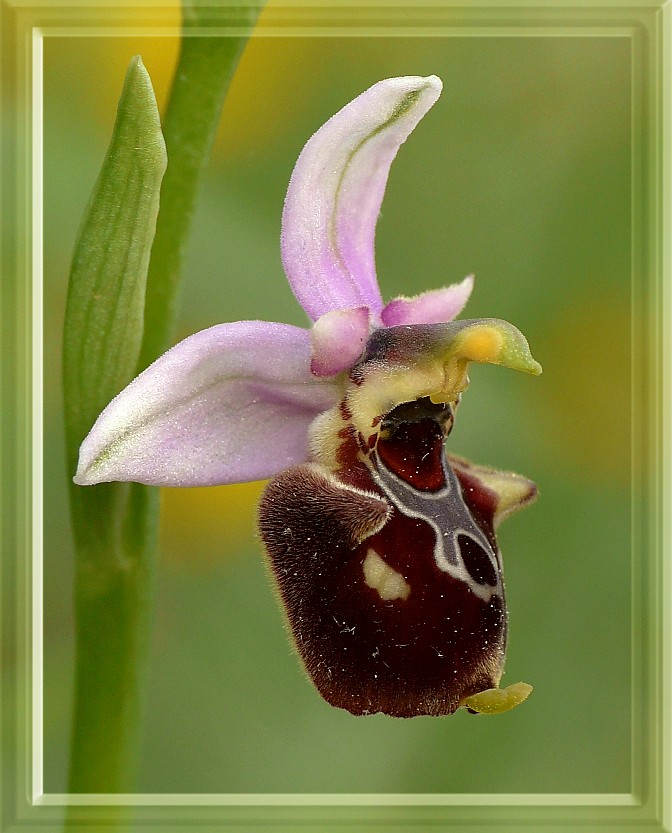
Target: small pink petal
point(337, 339)
point(438, 306)
point(335, 193)
point(226, 405)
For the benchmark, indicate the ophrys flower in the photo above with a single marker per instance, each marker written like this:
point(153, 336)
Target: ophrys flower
point(382, 545)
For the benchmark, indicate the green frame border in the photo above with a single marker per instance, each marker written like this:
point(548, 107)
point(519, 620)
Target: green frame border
point(648, 807)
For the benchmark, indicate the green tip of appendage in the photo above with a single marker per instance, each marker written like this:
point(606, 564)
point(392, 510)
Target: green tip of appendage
point(516, 354)
point(497, 700)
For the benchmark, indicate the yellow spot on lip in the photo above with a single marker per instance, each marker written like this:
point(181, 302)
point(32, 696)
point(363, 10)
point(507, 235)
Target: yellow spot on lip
point(379, 576)
point(481, 344)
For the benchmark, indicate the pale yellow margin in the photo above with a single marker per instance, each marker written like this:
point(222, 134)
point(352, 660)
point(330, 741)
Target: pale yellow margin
point(331, 799)
point(38, 407)
point(666, 383)
point(33, 41)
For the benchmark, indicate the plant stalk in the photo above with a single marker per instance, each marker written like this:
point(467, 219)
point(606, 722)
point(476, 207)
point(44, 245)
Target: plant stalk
point(116, 525)
point(205, 69)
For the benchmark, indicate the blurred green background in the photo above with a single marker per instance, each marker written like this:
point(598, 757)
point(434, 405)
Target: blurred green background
point(520, 174)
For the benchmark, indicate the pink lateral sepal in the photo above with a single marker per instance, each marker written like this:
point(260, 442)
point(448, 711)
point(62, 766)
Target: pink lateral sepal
point(229, 404)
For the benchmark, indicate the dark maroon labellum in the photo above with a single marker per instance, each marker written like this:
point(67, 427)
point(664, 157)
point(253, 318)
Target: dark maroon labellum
point(385, 555)
point(410, 619)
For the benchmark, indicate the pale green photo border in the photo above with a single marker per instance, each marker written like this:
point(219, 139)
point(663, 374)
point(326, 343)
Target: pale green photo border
point(648, 807)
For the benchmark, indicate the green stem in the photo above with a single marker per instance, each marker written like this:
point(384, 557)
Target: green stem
point(113, 583)
point(114, 586)
point(204, 72)
point(116, 524)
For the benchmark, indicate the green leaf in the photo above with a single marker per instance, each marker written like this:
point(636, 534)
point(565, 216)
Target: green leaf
point(106, 294)
point(104, 323)
point(115, 525)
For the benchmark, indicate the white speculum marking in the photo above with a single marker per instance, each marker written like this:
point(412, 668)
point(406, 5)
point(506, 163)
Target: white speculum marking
point(387, 582)
point(446, 512)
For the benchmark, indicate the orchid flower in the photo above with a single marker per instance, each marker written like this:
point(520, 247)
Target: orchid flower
point(382, 545)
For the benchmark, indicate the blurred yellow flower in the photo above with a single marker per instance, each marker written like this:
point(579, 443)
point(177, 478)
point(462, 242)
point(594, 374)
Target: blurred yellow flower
point(588, 406)
point(200, 527)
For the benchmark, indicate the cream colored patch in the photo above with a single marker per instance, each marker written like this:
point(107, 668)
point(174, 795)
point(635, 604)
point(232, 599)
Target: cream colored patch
point(379, 576)
point(385, 388)
point(323, 437)
point(455, 381)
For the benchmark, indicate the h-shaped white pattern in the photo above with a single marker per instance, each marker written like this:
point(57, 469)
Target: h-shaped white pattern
point(448, 515)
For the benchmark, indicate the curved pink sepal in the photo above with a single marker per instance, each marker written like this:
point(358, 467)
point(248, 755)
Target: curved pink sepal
point(437, 306)
point(335, 193)
point(229, 404)
point(337, 339)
